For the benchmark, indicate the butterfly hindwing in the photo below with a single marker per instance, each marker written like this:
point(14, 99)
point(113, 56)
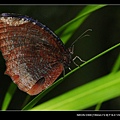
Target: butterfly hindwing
point(33, 53)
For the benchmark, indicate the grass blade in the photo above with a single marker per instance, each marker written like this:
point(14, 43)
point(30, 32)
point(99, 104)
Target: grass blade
point(74, 24)
point(85, 96)
point(116, 66)
point(8, 96)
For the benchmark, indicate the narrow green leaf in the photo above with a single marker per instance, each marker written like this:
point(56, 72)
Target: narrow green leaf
point(70, 27)
point(116, 66)
point(102, 53)
point(85, 96)
point(8, 96)
point(98, 106)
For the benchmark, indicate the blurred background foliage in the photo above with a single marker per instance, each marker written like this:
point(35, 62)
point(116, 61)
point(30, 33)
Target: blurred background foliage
point(105, 25)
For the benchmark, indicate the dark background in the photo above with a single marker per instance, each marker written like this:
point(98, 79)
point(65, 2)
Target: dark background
point(105, 24)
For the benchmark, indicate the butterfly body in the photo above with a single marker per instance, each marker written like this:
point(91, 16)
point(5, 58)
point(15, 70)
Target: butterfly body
point(35, 57)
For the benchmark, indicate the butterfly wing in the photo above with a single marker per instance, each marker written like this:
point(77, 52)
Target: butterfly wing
point(32, 53)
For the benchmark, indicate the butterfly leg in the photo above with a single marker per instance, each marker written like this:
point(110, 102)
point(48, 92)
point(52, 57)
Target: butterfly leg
point(77, 57)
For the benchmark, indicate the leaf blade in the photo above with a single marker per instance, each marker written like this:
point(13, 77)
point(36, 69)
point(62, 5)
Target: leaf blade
point(83, 96)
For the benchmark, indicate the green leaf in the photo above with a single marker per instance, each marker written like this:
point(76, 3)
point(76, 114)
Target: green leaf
point(8, 96)
point(70, 27)
point(85, 96)
point(116, 67)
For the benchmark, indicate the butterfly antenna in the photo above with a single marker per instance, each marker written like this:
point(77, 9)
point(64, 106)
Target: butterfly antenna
point(81, 36)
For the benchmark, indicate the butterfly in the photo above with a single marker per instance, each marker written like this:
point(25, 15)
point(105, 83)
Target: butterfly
point(35, 56)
